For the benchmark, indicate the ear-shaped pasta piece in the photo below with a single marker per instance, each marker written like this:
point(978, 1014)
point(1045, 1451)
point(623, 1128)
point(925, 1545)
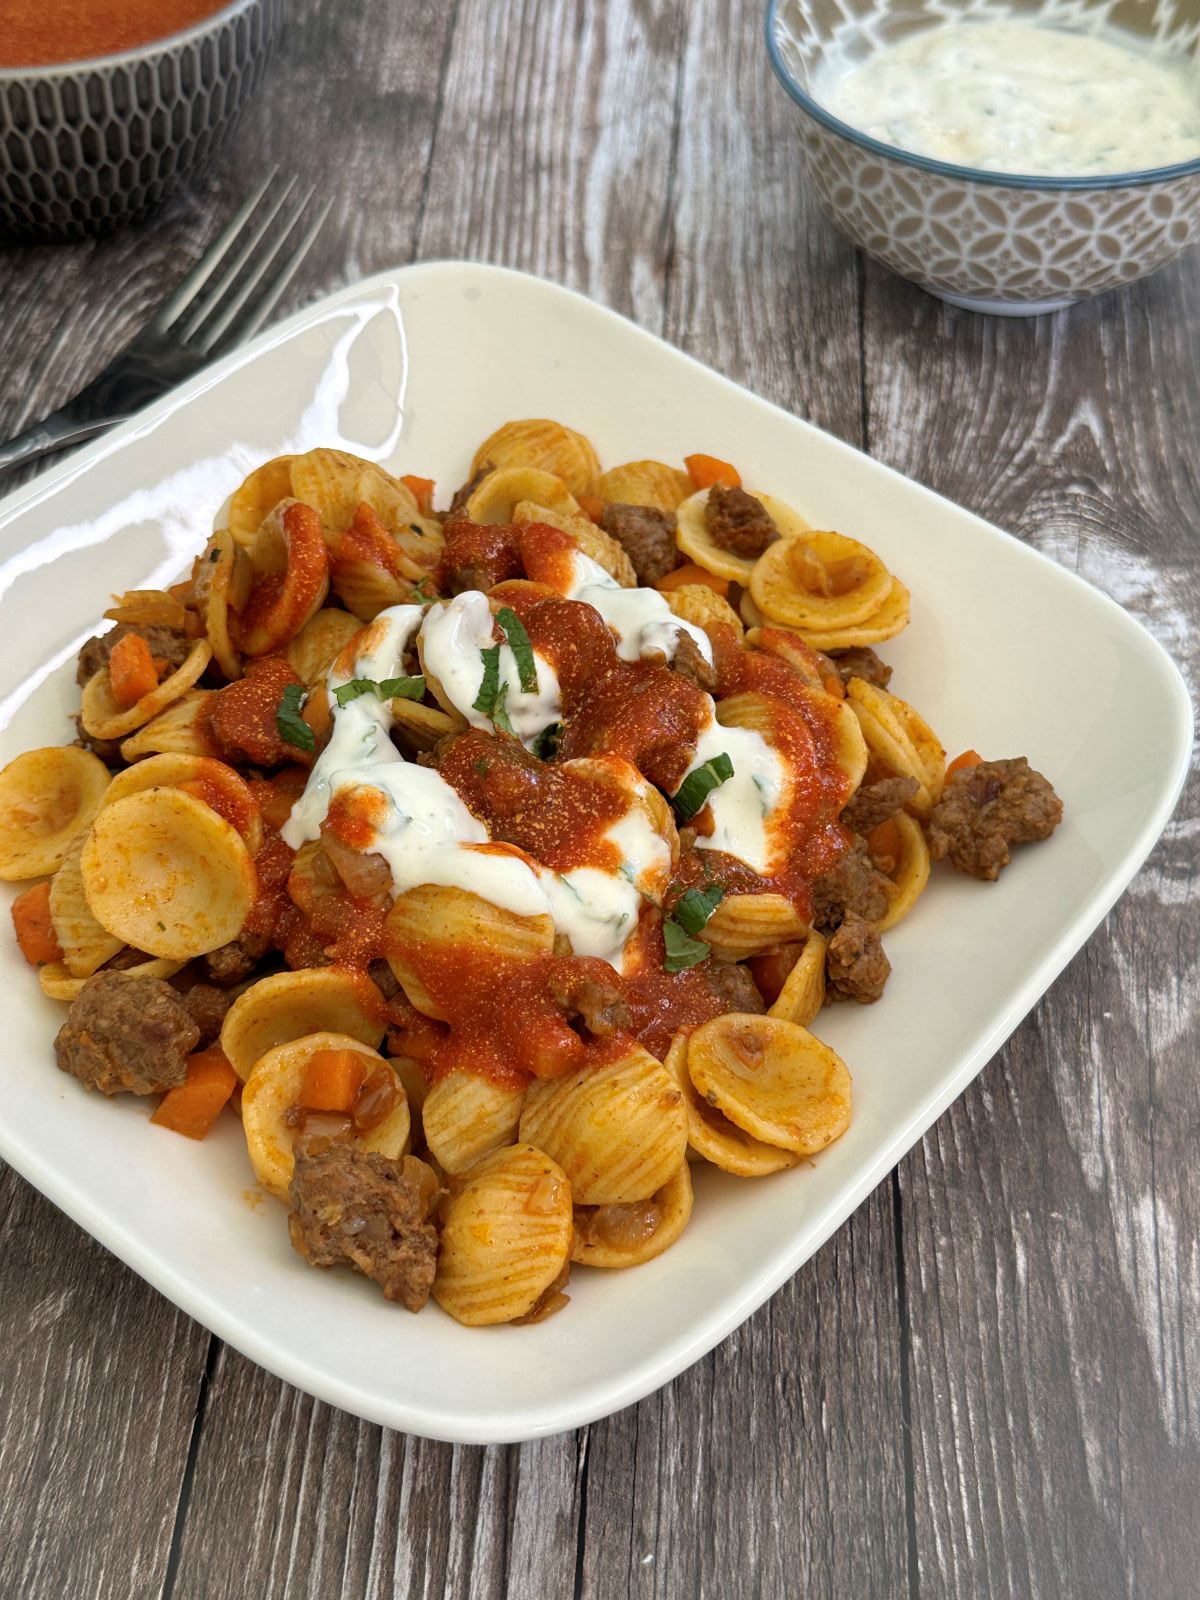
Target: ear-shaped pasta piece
point(288, 1005)
point(148, 608)
point(221, 582)
point(821, 580)
point(434, 918)
point(182, 729)
point(257, 496)
point(337, 483)
point(910, 873)
point(644, 483)
point(618, 1131)
point(416, 1085)
point(421, 726)
point(48, 798)
point(785, 643)
point(213, 782)
point(593, 541)
point(85, 945)
point(642, 800)
point(772, 1078)
point(465, 1117)
point(548, 446)
point(167, 875)
point(803, 993)
point(885, 622)
point(693, 538)
point(273, 1088)
point(506, 1237)
point(291, 567)
point(696, 602)
point(900, 740)
point(745, 925)
point(625, 1236)
point(103, 718)
point(711, 1134)
point(311, 653)
point(496, 497)
point(366, 589)
point(58, 984)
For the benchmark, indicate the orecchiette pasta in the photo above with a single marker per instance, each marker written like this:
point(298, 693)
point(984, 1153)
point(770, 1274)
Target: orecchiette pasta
point(514, 884)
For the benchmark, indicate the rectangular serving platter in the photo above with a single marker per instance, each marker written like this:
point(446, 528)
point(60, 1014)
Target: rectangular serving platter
point(1005, 652)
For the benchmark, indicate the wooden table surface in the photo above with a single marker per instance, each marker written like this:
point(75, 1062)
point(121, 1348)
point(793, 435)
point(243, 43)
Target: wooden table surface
point(988, 1382)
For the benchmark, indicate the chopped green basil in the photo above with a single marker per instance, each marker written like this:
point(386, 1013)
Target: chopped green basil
point(545, 746)
point(682, 950)
point(384, 688)
point(518, 643)
point(698, 785)
point(695, 906)
point(499, 712)
point(486, 698)
point(292, 727)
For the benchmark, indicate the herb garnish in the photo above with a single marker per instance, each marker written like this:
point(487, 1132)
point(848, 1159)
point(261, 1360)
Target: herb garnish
point(692, 911)
point(292, 727)
point(695, 789)
point(518, 643)
point(384, 688)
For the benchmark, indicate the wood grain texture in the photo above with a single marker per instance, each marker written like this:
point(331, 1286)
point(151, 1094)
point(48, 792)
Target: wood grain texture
point(1054, 1359)
point(986, 1383)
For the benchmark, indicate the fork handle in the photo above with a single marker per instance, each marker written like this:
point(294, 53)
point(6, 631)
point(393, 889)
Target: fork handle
point(55, 432)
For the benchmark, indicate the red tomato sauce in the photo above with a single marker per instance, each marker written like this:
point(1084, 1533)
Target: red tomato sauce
point(39, 32)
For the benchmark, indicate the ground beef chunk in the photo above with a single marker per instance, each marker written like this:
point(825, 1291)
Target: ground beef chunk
point(463, 494)
point(855, 965)
point(165, 645)
point(232, 962)
point(876, 802)
point(647, 536)
point(127, 1035)
point(854, 887)
point(689, 661)
point(733, 986)
point(738, 522)
point(359, 1207)
point(988, 807)
point(599, 1006)
point(384, 979)
point(109, 750)
point(862, 663)
point(207, 1007)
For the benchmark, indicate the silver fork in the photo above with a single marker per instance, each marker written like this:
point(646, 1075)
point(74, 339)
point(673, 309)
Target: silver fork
point(205, 317)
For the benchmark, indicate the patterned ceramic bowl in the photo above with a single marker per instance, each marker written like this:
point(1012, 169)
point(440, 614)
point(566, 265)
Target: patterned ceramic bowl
point(88, 144)
point(985, 240)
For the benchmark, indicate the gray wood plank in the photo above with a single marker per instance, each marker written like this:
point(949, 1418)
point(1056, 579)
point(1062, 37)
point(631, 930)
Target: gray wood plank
point(1049, 1218)
point(97, 1397)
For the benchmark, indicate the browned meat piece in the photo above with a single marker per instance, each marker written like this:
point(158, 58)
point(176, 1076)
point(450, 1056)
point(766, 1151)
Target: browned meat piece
point(647, 536)
point(384, 979)
point(232, 962)
point(853, 888)
point(734, 986)
point(207, 1007)
point(988, 807)
point(478, 555)
point(855, 965)
point(165, 645)
point(109, 750)
point(738, 522)
point(359, 1207)
point(689, 660)
point(126, 1035)
point(599, 1006)
point(876, 802)
point(463, 494)
point(862, 663)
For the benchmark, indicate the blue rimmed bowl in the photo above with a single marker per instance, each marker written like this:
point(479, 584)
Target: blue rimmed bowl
point(85, 145)
point(985, 240)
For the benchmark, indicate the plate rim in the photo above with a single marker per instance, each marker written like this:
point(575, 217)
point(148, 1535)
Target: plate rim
point(581, 1407)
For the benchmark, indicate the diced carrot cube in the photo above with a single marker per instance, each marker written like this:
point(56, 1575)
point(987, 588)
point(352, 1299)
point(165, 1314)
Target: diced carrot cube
point(332, 1080)
point(131, 670)
point(193, 1107)
point(690, 573)
point(707, 470)
point(35, 927)
point(969, 758)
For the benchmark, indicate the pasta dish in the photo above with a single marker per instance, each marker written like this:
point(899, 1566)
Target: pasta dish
point(493, 865)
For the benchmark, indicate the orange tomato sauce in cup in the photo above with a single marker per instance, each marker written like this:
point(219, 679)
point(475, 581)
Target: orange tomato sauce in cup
point(39, 33)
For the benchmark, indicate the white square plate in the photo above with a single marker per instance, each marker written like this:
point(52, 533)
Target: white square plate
point(1006, 652)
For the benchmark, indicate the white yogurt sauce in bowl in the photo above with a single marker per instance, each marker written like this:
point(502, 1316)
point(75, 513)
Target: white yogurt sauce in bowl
point(1021, 97)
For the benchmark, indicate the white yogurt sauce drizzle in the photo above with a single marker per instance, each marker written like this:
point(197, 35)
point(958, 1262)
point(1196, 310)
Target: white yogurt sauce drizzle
point(1023, 98)
point(742, 806)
